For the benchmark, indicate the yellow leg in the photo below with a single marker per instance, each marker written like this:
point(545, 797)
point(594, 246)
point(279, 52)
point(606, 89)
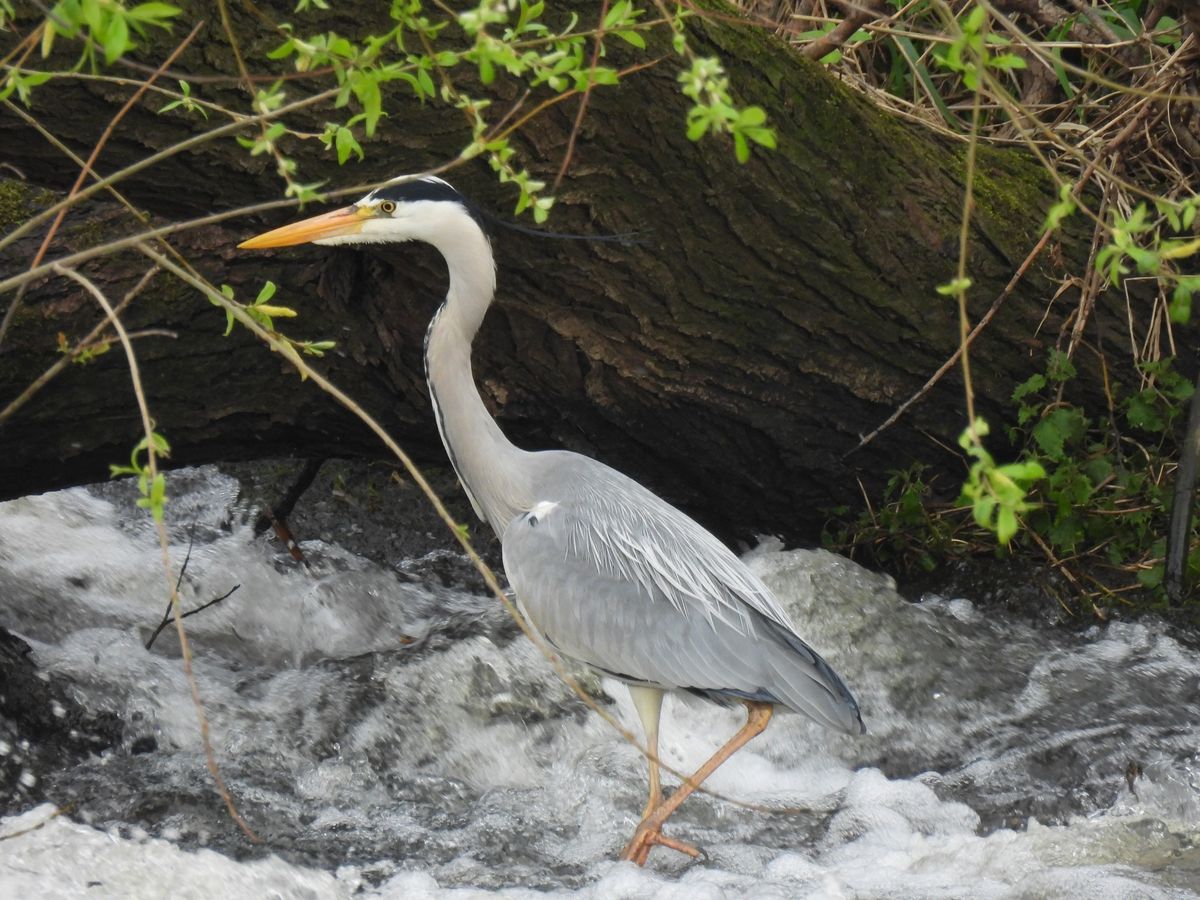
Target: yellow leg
point(648, 702)
point(649, 832)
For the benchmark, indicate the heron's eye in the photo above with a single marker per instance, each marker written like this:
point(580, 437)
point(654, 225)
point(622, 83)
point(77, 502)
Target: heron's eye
point(533, 521)
point(387, 206)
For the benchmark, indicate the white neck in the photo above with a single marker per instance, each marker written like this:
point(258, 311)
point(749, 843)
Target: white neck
point(492, 470)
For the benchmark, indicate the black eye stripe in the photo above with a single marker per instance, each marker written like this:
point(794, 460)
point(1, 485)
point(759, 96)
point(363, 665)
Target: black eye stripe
point(425, 189)
point(419, 189)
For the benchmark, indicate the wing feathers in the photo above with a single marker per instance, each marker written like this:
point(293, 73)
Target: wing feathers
point(622, 581)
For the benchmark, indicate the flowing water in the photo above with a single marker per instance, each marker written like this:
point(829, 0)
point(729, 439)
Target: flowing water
point(388, 739)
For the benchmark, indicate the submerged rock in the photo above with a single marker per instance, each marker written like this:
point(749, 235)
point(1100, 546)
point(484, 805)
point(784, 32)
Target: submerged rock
point(42, 728)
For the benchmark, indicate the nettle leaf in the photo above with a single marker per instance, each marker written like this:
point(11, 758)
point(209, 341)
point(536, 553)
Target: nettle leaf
point(1142, 413)
point(1030, 385)
point(1152, 577)
point(1098, 469)
point(1059, 367)
point(1054, 431)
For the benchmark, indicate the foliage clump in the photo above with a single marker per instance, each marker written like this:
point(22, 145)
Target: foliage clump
point(1104, 96)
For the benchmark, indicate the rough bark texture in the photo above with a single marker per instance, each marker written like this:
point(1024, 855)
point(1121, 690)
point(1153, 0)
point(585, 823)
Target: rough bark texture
point(770, 314)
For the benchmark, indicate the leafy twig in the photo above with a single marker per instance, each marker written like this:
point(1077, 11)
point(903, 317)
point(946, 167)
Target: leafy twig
point(597, 44)
point(105, 135)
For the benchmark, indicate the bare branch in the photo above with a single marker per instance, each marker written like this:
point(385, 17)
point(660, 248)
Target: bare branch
point(857, 15)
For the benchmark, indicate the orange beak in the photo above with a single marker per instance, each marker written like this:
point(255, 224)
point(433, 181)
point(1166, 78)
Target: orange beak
point(331, 224)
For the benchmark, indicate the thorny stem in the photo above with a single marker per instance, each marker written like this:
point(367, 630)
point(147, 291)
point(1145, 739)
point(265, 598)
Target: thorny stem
point(163, 540)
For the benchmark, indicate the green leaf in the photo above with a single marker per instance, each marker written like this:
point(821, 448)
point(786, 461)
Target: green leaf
point(345, 143)
point(616, 13)
point(154, 13)
point(265, 294)
point(698, 125)
point(1006, 524)
point(1141, 413)
point(974, 20)
point(1059, 367)
point(287, 48)
point(752, 115)
point(1025, 472)
point(982, 511)
point(740, 148)
point(764, 137)
point(602, 75)
point(1180, 308)
point(1030, 385)
point(633, 38)
point(1054, 431)
point(1152, 577)
point(282, 312)
point(953, 287)
point(116, 39)
point(1007, 61)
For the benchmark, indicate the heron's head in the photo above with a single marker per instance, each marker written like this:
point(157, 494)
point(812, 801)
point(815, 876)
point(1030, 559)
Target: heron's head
point(406, 209)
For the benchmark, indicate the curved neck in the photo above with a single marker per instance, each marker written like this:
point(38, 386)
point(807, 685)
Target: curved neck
point(491, 469)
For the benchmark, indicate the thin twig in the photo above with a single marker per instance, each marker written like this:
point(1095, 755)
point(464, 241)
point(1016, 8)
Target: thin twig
point(164, 541)
point(597, 43)
point(857, 15)
point(1111, 147)
point(69, 357)
point(166, 153)
point(58, 811)
point(187, 558)
point(191, 612)
point(87, 167)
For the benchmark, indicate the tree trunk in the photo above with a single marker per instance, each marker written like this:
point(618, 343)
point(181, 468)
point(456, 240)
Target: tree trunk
point(768, 315)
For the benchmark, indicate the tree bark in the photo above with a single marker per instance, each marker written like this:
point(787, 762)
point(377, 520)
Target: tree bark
point(769, 315)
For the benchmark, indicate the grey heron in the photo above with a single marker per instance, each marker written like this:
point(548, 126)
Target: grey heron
point(604, 570)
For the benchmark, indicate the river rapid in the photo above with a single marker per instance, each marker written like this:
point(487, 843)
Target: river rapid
point(389, 737)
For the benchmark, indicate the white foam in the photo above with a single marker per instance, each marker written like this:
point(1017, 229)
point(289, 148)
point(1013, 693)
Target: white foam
point(460, 771)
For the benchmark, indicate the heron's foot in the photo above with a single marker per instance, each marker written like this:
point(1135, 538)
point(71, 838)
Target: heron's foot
point(646, 836)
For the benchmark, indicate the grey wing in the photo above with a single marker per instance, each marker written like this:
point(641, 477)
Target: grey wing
point(617, 578)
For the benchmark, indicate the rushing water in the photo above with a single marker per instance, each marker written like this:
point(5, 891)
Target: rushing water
point(387, 739)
